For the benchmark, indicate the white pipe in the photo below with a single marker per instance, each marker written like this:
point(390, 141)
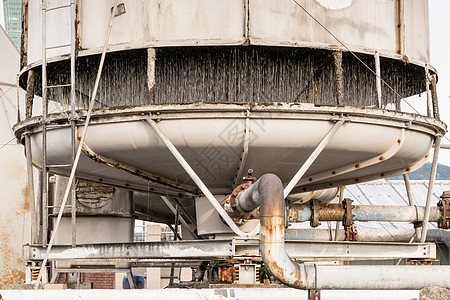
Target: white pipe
point(369, 235)
point(380, 277)
point(200, 184)
point(202, 294)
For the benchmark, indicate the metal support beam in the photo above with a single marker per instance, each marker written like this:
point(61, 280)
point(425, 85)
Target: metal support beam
point(131, 281)
point(378, 78)
point(312, 158)
point(430, 188)
point(200, 183)
point(427, 90)
point(34, 225)
point(434, 96)
point(410, 201)
point(174, 211)
point(72, 116)
point(339, 75)
point(44, 126)
point(185, 251)
point(163, 251)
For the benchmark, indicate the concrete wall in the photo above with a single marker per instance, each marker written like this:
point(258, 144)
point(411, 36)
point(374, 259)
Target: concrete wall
point(14, 214)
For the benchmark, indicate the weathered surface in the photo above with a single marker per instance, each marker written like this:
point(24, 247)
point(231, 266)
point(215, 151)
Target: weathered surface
point(434, 293)
point(14, 214)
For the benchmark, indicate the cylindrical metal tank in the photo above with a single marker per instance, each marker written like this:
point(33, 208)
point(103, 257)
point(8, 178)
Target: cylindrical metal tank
point(235, 85)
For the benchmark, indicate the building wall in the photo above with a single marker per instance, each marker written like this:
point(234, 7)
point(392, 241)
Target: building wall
point(13, 20)
point(14, 214)
point(99, 280)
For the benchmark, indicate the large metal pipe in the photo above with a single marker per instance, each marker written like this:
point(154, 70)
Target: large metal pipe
point(302, 276)
point(335, 212)
point(368, 235)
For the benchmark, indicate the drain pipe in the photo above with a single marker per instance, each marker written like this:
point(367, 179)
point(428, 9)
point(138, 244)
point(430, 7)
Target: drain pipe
point(272, 211)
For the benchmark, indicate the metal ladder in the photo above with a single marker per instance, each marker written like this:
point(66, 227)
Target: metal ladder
point(72, 118)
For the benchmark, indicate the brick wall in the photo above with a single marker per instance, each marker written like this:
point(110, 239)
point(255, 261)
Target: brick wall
point(99, 280)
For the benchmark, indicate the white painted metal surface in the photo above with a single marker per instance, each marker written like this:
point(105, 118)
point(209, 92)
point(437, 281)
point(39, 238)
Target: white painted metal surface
point(209, 294)
point(14, 214)
point(93, 230)
point(365, 26)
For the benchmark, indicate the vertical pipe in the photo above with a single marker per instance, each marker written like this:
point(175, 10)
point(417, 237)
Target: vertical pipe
point(44, 125)
point(378, 79)
point(410, 200)
point(34, 240)
point(437, 145)
point(72, 121)
point(427, 89)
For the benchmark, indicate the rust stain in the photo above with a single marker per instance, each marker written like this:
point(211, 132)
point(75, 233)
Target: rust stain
point(24, 205)
point(12, 270)
point(26, 199)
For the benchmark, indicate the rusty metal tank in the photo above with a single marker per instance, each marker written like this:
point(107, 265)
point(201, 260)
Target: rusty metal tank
point(235, 84)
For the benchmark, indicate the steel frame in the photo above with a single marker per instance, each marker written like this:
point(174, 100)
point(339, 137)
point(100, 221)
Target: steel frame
point(234, 248)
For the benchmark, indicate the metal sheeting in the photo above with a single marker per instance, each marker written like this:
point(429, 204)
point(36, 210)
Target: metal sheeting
point(366, 25)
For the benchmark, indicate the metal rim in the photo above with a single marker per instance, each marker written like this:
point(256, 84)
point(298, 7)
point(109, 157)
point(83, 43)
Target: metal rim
point(232, 111)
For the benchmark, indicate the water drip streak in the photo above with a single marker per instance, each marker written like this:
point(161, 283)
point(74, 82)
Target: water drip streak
point(247, 74)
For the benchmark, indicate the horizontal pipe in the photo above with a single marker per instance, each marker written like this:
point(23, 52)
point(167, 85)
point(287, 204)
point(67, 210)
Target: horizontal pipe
point(335, 212)
point(380, 277)
point(368, 235)
point(249, 199)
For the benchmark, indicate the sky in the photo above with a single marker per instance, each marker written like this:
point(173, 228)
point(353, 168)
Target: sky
point(439, 26)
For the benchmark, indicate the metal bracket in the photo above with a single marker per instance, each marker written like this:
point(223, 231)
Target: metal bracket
point(315, 207)
point(351, 233)
point(313, 294)
point(444, 208)
point(184, 164)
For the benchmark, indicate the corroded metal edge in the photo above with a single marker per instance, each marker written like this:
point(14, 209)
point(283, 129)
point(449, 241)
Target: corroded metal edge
point(229, 111)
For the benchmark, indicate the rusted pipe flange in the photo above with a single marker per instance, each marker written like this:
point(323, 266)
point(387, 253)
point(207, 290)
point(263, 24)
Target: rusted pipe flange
point(444, 208)
point(315, 207)
point(231, 205)
point(351, 233)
